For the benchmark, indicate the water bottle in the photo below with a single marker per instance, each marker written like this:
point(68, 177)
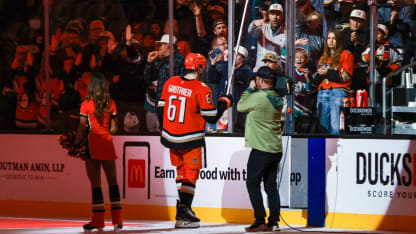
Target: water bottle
point(341, 121)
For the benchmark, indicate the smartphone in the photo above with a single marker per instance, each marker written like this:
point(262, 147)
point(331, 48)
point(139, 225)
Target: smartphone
point(136, 168)
point(215, 53)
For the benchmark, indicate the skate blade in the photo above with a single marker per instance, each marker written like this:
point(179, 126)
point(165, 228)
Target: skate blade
point(117, 228)
point(95, 230)
point(186, 224)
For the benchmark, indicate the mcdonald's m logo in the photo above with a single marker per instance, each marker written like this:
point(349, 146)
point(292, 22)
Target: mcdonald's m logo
point(136, 173)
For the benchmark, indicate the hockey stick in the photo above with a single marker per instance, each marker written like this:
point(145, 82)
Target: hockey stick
point(231, 76)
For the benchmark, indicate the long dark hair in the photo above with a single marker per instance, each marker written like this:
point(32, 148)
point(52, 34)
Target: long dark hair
point(336, 57)
point(98, 92)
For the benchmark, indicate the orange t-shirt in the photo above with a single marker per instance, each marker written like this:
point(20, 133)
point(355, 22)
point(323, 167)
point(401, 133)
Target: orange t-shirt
point(100, 140)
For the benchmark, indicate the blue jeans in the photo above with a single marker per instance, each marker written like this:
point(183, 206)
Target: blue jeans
point(328, 104)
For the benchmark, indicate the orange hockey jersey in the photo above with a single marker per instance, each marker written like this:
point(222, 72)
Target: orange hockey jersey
point(345, 72)
point(185, 103)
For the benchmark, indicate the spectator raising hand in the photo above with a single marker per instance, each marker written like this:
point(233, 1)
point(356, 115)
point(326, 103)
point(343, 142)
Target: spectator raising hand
point(112, 44)
point(195, 8)
point(54, 43)
point(129, 35)
point(78, 59)
point(29, 61)
point(200, 27)
point(56, 40)
point(15, 63)
point(302, 41)
point(182, 2)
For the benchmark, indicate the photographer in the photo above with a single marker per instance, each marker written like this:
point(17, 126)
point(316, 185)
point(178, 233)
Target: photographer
point(263, 106)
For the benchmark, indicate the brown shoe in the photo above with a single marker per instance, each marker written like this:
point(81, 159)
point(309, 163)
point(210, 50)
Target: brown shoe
point(269, 227)
point(256, 227)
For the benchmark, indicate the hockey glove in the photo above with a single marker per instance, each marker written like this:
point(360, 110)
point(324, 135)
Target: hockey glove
point(227, 99)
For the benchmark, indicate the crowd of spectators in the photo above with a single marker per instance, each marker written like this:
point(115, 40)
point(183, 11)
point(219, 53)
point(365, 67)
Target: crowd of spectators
point(128, 41)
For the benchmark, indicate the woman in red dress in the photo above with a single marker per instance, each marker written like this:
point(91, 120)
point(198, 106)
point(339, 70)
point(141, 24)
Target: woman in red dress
point(99, 116)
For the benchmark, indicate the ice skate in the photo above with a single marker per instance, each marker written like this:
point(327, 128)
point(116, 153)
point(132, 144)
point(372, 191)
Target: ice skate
point(88, 228)
point(118, 227)
point(185, 217)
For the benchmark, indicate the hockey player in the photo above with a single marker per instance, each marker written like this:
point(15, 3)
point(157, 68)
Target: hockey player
point(183, 109)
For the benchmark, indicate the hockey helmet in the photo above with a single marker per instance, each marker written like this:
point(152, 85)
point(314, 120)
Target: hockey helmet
point(194, 60)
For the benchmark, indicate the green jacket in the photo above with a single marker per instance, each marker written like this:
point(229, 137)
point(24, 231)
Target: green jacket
point(263, 129)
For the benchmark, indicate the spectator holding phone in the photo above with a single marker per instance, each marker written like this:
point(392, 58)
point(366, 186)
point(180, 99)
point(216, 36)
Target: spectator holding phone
point(217, 64)
point(216, 70)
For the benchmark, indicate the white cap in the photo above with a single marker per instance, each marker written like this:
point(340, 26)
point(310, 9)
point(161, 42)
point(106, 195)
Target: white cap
point(276, 7)
point(360, 14)
point(384, 29)
point(243, 51)
point(165, 39)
